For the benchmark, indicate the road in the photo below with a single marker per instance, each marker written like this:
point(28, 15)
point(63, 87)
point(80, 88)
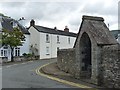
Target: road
point(23, 75)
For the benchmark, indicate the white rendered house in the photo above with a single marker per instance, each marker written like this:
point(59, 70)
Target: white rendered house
point(9, 24)
point(46, 41)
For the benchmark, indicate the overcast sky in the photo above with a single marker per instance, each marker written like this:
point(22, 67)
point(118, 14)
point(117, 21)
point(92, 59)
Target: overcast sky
point(59, 13)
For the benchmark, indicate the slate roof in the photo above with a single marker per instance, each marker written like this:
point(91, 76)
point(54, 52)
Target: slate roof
point(53, 31)
point(115, 33)
point(98, 30)
point(6, 24)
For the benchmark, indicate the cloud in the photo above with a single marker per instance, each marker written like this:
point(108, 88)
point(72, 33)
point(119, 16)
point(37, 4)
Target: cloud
point(61, 13)
point(12, 5)
point(101, 8)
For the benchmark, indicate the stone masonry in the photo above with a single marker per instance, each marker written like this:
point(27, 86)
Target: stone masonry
point(111, 66)
point(95, 55)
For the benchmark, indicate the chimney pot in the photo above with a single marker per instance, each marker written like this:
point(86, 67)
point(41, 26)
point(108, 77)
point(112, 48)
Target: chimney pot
point(55, 28)
point(66, 29)
point(32, 22)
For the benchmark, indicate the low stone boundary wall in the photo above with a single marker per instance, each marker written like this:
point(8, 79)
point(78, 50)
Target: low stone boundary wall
point(66, 60)
point(111, 66)
point(19, 58)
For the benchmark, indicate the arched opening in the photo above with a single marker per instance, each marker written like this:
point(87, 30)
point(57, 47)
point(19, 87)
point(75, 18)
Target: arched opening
point(85, 56)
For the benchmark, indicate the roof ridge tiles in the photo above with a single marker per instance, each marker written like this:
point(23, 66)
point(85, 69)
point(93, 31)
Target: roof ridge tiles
point(85, 17)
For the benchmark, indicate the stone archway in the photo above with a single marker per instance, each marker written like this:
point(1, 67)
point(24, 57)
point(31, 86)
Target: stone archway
point(85, 56)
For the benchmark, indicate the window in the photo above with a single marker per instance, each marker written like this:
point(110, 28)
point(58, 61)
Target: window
point(47, 38)
point(4, 53)
point(47, 51)
point(11, 23)
point(69, 40)
point(17, 51)
point(14, 24)
point(1, 52)
point(58, 40)
point(5, 47)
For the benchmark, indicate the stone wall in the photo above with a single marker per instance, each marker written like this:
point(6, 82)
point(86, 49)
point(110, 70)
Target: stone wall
point(111, 66)
point(66, 60)
point(19, 58)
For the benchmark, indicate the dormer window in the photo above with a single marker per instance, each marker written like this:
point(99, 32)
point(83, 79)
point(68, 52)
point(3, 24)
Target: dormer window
point(13, 24)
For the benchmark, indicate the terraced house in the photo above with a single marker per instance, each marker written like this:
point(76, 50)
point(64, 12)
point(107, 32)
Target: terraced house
point(46, 41)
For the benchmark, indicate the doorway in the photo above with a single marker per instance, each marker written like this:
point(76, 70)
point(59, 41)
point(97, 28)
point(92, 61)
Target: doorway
point(85, 56)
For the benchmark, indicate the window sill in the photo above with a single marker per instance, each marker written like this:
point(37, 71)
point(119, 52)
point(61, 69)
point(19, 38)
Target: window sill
point(47, 54)
point(47, 42)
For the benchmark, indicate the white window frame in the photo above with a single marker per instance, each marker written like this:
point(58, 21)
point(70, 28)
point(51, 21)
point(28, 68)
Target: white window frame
point(69, 40)
point(1, 52)
point(47, 38)
point(47, 51)
point(58, 39)
point(4, 52)
point(17, 51)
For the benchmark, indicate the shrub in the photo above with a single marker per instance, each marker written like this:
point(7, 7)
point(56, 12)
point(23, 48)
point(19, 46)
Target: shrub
point(29, 55)
point(24, 54)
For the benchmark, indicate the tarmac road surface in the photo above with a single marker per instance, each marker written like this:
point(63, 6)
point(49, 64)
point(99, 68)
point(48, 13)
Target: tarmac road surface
point(23, 75)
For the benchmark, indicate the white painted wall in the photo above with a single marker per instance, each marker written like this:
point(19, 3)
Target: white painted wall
point(43, 46)
point(39, 38)
point(35, 38)
point(26, 45)
point(53, 44)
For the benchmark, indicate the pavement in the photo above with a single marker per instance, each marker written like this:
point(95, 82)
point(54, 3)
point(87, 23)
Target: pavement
point(56, 74)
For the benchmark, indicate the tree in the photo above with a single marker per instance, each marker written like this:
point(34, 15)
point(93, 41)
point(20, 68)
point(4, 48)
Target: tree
point(12, 38)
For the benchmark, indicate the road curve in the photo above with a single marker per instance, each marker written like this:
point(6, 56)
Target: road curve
point(23, 75)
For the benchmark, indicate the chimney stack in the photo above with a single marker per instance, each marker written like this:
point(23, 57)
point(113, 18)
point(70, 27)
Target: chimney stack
point(22, 21)
point(32, 22)
point(66, 29)
point(55, 28)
